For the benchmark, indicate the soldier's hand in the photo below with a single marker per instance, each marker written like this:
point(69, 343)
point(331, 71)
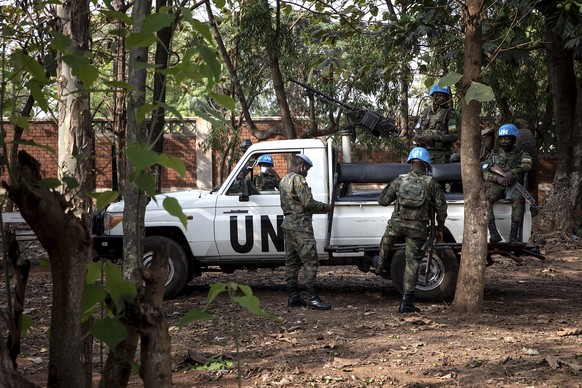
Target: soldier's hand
point(500, 180)
point(418, 139)
point(438, 236)
point(328, 208)
point(509, 178)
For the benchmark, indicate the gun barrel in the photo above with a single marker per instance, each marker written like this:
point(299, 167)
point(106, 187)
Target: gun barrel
point(323, 96)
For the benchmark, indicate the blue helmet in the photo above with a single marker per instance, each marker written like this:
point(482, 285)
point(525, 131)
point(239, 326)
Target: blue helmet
point(420, 154)
point(437, 89)
point(266, 159)
point(306, 159)
point(508, 130)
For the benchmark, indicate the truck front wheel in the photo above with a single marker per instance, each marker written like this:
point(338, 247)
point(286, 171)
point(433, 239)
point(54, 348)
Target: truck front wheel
point(177, 263)
point(442, 277)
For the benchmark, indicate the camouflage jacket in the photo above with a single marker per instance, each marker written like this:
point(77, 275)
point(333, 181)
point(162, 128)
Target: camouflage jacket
point(435, 198)
point(268, 181)
point(516, 161)
point(298, 204)
point(441, 124)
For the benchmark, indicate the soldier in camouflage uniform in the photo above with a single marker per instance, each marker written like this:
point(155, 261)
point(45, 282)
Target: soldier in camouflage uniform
point(437, 130)
point(412, 220)
point(300, 248)
point(515, 163)
point(267, 179)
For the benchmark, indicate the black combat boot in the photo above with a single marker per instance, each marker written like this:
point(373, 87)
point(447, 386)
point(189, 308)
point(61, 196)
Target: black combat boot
point(494, 236)
point(295, 299)
point(379, 267)
point(315, 302)
point(513, 233)
point(406, 305)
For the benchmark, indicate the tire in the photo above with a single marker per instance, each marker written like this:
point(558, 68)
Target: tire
point(442, 278)
point(177, 264)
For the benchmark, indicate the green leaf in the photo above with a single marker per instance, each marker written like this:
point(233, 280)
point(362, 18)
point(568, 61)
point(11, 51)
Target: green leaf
point(220, 3)
point(224, 100)
point(93, 295)
point(141, 156)
point(193, 316)
point(94, 272)
point(142, 111)
point(60, 42)
point(120, 85)
point(88, 74)
point(139, 39)
point(26, 323)
point(76, 61)
point(36, 70)
point(104, 198)
point(156, 21)
point(70, 182)
point(146, 182)
point(38, 95)
point(209, 57)
point(35, 144)
point(450, 79)
point(49, 183)
point(110, 331)
point(215, 290)
point(21, 121)
point(120, 290)
point(203, 29)
point(114, 15)
point(173, 207)
point(252, 303)
point(479, 92)
point(175, 163)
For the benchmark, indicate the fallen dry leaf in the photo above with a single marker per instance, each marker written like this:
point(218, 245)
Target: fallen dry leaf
point(569, 331)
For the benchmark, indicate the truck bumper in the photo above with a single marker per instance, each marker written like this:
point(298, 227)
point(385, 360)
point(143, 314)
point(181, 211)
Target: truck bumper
point(108, 247)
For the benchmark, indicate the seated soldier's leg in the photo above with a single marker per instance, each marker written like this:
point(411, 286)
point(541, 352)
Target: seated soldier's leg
point(517, 212)
point(494, 193)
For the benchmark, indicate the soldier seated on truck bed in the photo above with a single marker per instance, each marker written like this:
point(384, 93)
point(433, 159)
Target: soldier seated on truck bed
point(514, 163)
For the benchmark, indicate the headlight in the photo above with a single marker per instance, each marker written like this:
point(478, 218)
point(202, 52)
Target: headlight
point(112, 220)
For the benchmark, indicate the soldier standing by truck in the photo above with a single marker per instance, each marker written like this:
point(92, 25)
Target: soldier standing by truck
point(514, 163)
point(300, 247)
point(436, 130)
point(416, 195)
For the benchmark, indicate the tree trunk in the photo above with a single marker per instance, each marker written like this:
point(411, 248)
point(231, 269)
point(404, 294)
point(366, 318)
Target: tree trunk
point(118, 366)
point(278, 85)
point(119, 111)
point(403, 111)
point(67, 240)
point(470, 283)
point(557, 215)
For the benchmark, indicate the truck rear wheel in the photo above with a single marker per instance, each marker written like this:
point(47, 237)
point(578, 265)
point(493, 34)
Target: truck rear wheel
point(442, 277)
point(177, 264)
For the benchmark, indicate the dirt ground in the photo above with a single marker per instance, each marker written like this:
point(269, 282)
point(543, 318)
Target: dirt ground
point(529, 333)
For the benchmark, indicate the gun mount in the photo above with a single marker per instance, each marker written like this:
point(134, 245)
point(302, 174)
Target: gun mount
point(359, 118)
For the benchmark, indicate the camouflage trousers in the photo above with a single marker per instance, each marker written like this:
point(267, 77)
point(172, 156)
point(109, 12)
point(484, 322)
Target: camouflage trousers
point(439, 156)
point(414, 253)
point(496, 192)
point(300, 252)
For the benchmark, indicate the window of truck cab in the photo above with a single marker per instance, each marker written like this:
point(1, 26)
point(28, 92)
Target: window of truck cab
point(251, 170)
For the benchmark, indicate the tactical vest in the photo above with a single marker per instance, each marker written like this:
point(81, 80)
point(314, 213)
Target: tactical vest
point(435, 123)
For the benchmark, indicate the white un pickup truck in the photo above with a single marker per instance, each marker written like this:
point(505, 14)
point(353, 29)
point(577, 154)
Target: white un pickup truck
point(235, 226)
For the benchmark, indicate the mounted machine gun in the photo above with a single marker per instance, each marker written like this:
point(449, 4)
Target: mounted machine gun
point(358, 118)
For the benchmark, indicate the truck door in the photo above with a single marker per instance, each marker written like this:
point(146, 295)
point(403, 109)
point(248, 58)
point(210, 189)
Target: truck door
point(251, 224)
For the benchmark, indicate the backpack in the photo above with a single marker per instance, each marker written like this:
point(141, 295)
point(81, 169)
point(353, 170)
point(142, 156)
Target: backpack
point(412, 195)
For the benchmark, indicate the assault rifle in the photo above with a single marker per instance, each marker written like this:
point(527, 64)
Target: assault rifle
point(367, 119)
point(428, 245)
point(497, 170)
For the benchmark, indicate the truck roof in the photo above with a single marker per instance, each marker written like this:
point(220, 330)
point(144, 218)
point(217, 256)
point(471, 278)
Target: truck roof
point(287, 144)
